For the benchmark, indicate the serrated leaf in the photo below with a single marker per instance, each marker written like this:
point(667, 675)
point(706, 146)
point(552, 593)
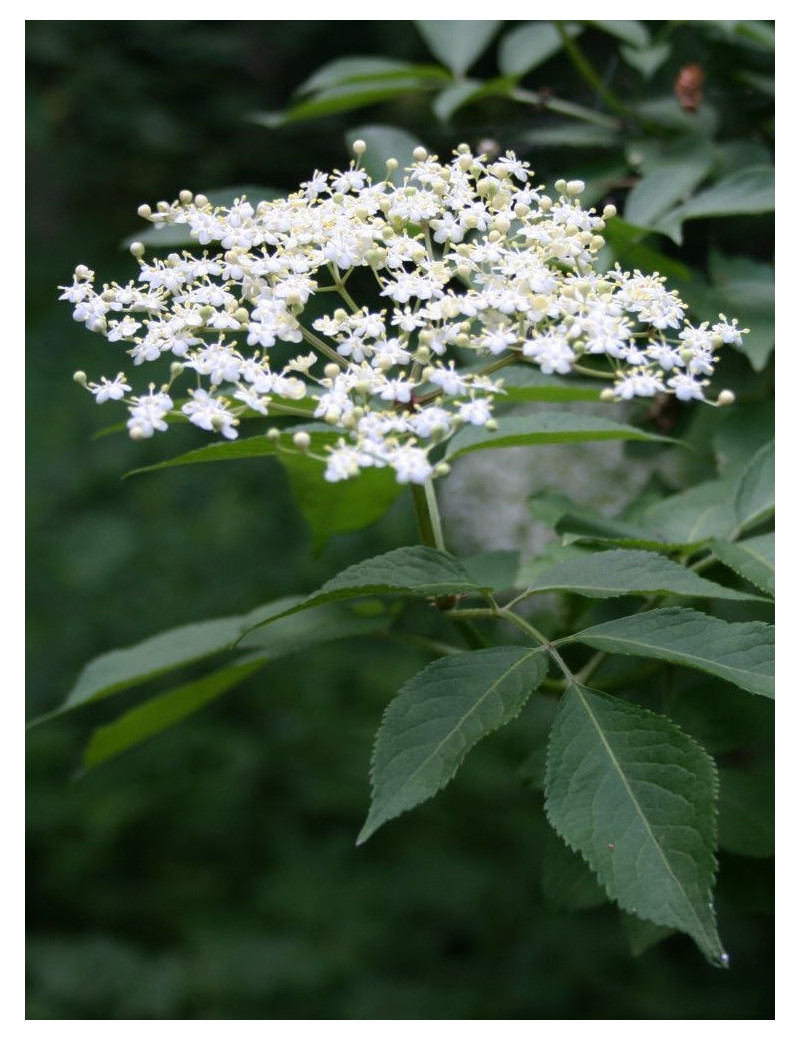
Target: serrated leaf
point(416, 570)
point(457, 44)
point(694, 516)
point(159, 713)
point(384, 142)
point(753, 559)
point(747, 813)
point(622, 572)
point(567, 881)
point(530, 45)
point(438, 716)
point(636, 797)
point(641, 935)
point(754, 497)
point(545, 428)
point(742, 653)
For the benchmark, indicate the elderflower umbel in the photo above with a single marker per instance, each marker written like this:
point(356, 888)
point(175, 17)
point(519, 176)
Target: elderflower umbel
point(473, 268)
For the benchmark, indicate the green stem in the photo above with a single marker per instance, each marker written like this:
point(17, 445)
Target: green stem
point(564, 108)
point(323, 347)
point(588, 73)
point(426, 509)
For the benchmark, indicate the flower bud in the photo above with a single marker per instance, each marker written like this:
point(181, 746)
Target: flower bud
point(176, 369)
point(726, 398)
point(420, 154)
point(80, 378)
point(185, 197)
point(137, 249)
point(273, 434)
point(359, 147)
point(575, 187)
point(441, 469)
point(301, 440)
point(200, 201)
point(607, 395)
point(145, 212)
point(331, 370)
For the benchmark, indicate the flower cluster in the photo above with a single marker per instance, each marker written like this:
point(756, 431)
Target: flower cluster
point(470, 267)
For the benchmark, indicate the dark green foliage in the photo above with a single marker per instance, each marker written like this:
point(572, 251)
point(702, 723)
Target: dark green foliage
point(211, 871)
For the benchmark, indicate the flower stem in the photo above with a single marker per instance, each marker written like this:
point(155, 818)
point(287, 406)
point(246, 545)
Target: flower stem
point(426, 509)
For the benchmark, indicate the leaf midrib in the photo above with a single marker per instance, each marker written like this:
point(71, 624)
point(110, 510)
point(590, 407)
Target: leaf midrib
point(712, 944)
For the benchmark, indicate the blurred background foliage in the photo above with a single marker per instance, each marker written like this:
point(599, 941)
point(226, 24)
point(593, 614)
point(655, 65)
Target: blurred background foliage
point(212, 873)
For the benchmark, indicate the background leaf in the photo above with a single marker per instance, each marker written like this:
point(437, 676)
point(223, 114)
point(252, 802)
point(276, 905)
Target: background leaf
point(458, 44)
point(545, 428)
point(754, 497)
point(530, 45)
point(636, 797)
point(384, 142)
point(438, 716)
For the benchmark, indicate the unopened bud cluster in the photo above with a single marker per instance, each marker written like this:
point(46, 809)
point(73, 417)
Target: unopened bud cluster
point(470, 267)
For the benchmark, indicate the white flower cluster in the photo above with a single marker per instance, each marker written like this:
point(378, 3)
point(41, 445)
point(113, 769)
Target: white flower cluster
point(470, 266)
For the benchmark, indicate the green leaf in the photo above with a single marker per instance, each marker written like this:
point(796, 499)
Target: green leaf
point(452, 97)
point(746, 288)
point(748, 191)
point(571, 135)
point(692, 517)
point(641, 935)
point(120, 669)
point(384, 142)
point(634, 33)
point(347, 96)
point(647, 60)
point(413, 571)
point(495, 569)
point(329, 508)
point(636, 797)
point(159, 713)
point(754, 497)
point(530, 45)
point(458, 44)
point(669, 184)
point(287, 636)
point(753, 559)
point(746, 813)
point(621, 572)
point(545, 428)
point(438, 716)
point(740, 653)
point(567, 881)
point(343, 506)
point(529, 383)
point(352, 69)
